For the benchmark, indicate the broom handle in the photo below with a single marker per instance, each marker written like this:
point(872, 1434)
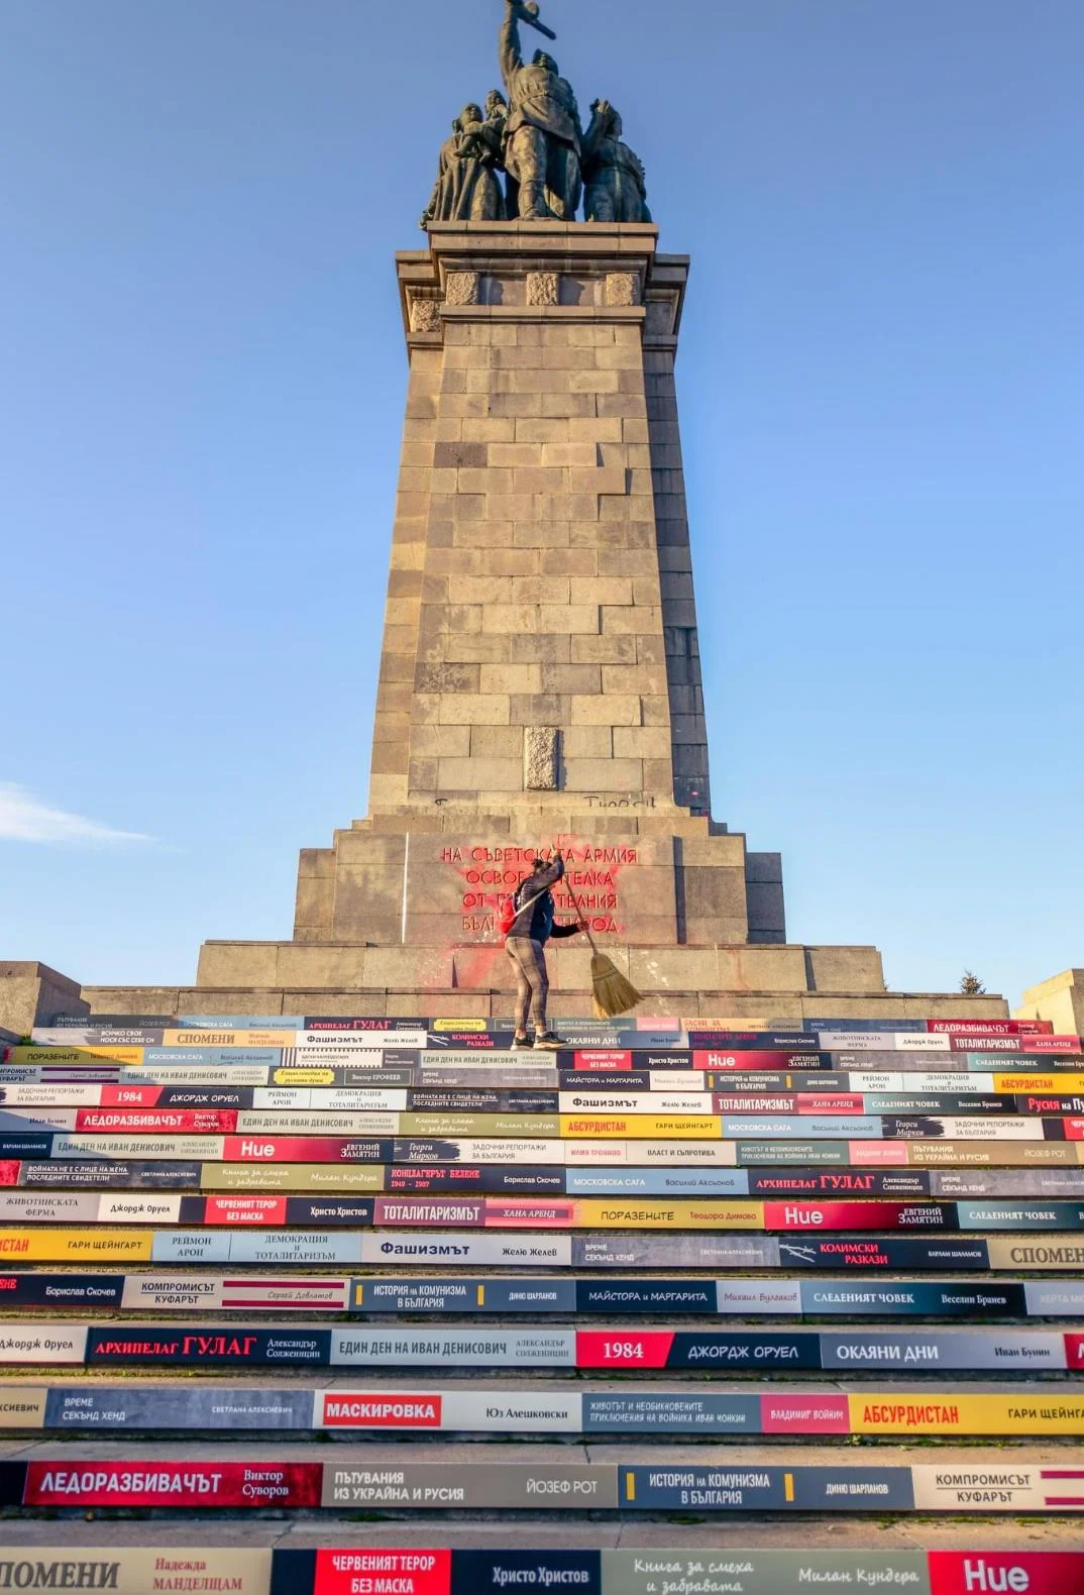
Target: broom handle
point(583, 922)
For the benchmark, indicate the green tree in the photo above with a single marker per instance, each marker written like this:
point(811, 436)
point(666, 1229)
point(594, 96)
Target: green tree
point(971, 985)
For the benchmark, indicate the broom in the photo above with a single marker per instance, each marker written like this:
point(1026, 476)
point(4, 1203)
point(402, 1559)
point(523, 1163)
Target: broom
point(612, 993)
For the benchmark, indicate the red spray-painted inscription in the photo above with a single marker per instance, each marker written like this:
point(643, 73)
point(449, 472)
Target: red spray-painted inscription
point(592, 871)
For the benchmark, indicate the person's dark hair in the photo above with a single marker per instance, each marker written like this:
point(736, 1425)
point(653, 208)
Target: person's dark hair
point(538, 863)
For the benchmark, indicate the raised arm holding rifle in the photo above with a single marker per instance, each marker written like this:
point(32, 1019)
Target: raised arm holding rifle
point(543, 133)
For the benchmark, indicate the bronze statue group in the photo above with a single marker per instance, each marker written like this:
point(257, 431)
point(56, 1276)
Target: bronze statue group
point(532, 136)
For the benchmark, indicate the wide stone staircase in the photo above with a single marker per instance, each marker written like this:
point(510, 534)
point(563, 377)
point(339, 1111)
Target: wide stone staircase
point(388, 1305)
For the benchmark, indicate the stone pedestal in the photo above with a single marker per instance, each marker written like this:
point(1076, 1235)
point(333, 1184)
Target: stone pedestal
point(540, 646)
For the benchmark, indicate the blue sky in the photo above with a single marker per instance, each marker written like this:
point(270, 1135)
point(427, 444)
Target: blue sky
point(882, 396)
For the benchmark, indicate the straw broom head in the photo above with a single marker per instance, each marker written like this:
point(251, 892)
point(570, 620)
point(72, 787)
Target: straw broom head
point(612, 994)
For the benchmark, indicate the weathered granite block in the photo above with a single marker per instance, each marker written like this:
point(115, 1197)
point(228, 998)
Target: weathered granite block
point(604, 775)
point(540, 758)
point(479, 775)
point(844, 969)
point(368, 903)
point(764, 897)
point(33, 994)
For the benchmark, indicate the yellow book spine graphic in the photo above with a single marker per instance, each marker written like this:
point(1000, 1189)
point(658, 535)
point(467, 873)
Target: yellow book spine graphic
point(639, 1127)
point(934, 1413)
point(68, 1245)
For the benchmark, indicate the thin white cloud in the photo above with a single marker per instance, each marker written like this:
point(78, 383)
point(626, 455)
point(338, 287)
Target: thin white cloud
point(26, 818)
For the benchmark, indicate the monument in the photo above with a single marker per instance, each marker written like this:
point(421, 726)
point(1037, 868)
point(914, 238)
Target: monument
point(540, 675)
point(735, 1271)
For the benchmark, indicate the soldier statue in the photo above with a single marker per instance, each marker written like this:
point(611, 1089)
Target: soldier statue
point(535, 138)
point(543, 132)
point(614, 179)
point(497, 122)
point(467, 187)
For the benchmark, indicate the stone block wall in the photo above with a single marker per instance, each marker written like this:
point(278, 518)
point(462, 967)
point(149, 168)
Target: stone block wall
point(540, 676)
point(526, 594)
point(439, 888)
point(33, 994)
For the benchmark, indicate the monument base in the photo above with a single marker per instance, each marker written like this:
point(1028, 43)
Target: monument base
point(483, 968)
point(569, 998)
point(437, 881)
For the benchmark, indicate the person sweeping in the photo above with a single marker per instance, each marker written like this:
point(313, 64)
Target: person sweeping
point(531, 926)
point(528, 926)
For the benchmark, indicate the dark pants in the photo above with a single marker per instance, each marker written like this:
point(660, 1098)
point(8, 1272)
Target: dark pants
point(547, 171)
point(532, 981)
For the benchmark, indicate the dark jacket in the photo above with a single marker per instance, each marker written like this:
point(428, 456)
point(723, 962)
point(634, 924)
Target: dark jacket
point(535, 909)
